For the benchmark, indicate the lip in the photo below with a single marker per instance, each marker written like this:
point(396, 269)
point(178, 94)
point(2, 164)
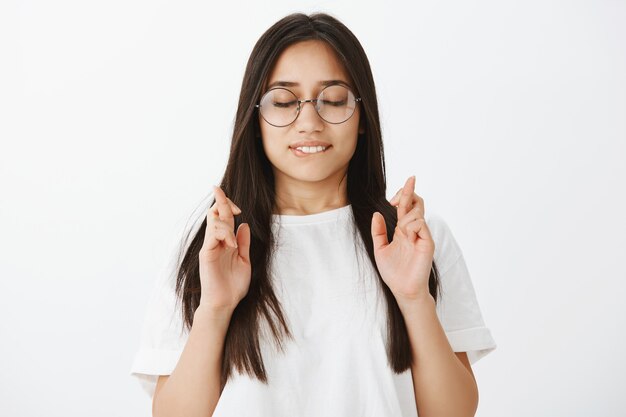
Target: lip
point(301, 154)
point(309, 143)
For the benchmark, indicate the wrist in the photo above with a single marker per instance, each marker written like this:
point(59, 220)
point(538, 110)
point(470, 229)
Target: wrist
point(418, 301)
point(207, 312)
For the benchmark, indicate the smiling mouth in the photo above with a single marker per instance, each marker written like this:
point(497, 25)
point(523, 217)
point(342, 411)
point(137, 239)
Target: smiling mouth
point(300, 153)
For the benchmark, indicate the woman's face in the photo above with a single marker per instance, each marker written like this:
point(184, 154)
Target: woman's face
point(307, 64)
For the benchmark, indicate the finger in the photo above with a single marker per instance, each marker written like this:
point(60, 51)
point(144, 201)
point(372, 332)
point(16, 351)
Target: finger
point(411, 230)
point(379, 231)
point(419, 228)
point(224, 232)
point(211, 240)
point(223, 208)
point(243, 239)
point(416, 199)
point(405, 198)
point(216, 232)
point(394, 199)
point(411, 235)
point(233, 207)
point(416, 212)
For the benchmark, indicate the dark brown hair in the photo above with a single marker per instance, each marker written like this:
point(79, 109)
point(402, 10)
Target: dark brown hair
point(249, 182)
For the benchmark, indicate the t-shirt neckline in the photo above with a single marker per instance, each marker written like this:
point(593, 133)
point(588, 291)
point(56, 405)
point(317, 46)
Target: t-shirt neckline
point(323, 216)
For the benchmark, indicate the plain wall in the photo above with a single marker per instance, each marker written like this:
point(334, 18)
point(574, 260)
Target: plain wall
point(115, 121)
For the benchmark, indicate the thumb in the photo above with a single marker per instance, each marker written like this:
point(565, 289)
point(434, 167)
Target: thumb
point(243, 241)
point(379, 231)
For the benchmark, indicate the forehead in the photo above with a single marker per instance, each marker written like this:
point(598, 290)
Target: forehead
point(307, 63)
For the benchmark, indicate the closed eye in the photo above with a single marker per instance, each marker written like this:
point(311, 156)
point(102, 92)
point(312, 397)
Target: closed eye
point(288, 104)
point(334, 103)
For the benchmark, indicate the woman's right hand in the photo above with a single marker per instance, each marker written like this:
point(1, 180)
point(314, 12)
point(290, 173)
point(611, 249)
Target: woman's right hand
point(224, 258)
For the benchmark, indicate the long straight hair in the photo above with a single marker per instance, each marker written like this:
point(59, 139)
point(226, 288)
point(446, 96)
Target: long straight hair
point(249, 182)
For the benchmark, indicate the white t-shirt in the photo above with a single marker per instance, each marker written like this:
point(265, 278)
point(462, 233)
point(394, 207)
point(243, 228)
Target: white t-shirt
point(337, 365)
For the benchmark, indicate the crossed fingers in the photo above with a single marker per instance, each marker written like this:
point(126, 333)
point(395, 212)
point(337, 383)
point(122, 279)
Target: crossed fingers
point(410, 208)
point(220, 218)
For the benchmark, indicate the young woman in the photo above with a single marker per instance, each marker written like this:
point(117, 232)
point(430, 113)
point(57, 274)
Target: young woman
point(305, 292)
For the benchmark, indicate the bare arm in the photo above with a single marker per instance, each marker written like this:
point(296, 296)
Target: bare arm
point(193, 388)
point(444, 384)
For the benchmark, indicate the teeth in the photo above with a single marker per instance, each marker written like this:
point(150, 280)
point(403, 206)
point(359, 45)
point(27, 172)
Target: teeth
point(311, 149)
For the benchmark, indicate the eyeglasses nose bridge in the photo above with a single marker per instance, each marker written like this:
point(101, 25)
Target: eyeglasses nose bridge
point(311, 100)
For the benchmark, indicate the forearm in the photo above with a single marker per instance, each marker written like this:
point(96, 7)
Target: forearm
point(193, 388)
point(443, 386)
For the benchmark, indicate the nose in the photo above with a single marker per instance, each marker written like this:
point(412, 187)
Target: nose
point(308, 118)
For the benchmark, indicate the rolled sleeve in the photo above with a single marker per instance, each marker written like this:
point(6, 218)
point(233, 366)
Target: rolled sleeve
point(162, 339)
point(457, 305)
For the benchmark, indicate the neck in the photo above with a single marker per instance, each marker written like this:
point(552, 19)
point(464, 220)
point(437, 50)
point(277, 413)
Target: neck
point(297, 197)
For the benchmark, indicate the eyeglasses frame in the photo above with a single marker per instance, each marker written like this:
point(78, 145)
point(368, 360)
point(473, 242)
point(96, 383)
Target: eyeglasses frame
point(313, 101)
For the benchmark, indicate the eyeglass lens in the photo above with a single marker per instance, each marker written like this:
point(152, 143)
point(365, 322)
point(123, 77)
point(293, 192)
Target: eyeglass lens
point(335, 104)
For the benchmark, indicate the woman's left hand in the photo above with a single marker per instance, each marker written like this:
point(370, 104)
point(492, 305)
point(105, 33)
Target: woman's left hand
point(405, 263)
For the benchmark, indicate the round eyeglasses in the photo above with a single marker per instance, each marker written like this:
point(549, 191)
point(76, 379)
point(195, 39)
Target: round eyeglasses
point(280, 107)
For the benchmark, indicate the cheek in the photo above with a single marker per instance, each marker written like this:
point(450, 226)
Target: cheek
point(273, 148)
point(270, 150)
point(266, 138)
point(343, 150)
point(350, 136)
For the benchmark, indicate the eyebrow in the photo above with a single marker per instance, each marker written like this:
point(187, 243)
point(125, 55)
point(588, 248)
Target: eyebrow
point(294, 84)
